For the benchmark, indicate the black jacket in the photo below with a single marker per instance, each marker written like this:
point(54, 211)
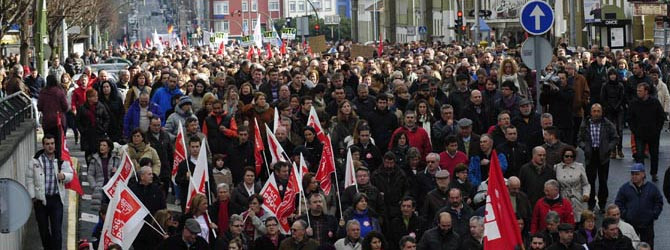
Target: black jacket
point(532, 182)
point(393, 185)
point(558, 102)
point(219, 143)
point(165, 149)
point(397, 229)
point(516, 154)
point(470, 243)
point(328, 226)
point(646, 118)
point(473, 147)
point(151, 195)
point(241, 155)
point(240, 197)
point(382, 124)
point(482, 117)
point(375, 198)
point(92, 131)
point(177, 243)
point(620, 243)
point(264, 242)
point(613, 97)
point(436, 239)
point(434, 201)
point(529, 133)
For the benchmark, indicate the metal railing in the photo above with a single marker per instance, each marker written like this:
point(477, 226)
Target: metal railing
point(14, 109)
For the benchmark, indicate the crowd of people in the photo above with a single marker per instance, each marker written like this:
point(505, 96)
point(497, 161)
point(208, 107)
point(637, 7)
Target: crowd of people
point(421, 120)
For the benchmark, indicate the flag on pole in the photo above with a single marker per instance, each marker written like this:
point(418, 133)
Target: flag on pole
point(250, 53)
point(303, 166)
point(124, 219)
point(74, 184)
point(327, 162)
point(350, 172)
point(221, 49)
point(147, 43)
point(271, 196)
point(287, 206)
point(282, 48)
point(122, 175)
point(258, 148)
point(258, 36)
point(380, 49)
point(199, 181)
point(276, 150)
point(275, 121)
point(501, 230)
point(179, 151)
point(269, 50)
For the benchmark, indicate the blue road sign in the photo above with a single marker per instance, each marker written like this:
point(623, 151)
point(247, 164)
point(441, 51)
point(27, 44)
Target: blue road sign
point(423, 30)
point(536, 17)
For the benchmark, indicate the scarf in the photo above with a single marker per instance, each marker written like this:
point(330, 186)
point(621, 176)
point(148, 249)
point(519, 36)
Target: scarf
point(91, 113)
point(223, 217)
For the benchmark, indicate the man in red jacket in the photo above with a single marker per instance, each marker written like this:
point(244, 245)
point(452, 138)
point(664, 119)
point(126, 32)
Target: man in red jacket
point(417, 136)
point(552, 201)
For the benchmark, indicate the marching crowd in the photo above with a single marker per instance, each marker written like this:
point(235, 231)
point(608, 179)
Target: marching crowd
point(421, 121)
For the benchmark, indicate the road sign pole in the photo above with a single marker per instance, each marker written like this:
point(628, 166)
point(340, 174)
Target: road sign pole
point(538, 107)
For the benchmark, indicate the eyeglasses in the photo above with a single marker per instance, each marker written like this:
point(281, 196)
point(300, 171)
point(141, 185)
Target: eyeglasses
point(240, 225)
point(568, 156)
point(296, 229)
point(271, 225)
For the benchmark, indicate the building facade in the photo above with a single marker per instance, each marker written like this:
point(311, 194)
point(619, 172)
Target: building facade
point(239, 17)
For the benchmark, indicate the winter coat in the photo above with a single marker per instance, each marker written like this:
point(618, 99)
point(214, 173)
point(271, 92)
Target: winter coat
point(90, 133)
point(556, 101)
point(397, 229)
point(116, 111)
point(608, 139)
point(375, 198)
point(133, 94)
point(151, 196)
point(532, 180)
point(640, 206)
point(368, 219)
point(542, 208)
point(132, 118)
point(662, 95)
point(530, 133)
point(340, 129)
point(163, 97)
point(620, 243)
point(240, 196)
point(220, 142)
point(36, 179)
point(35, 85)
point(516, 154)
point(382, 123)
point(434, 201)
point(482, 117)
point(394, 185)
point(460, 220)
point(52, 103)
point(172, 123)
point(416, 137)
point(478, 173)
point(439, 133)
point(95, 175)
point(436, 239)
point(137, 152)
point(582, 94)
point(613, 97)
point(646, 118)
point(165, 149)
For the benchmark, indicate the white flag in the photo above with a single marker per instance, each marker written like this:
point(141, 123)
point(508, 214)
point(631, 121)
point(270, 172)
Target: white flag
point(122, 175)
point(199, 180)
point(124, 219)
point(276, 150)
point(258, 37)
point(350, 172)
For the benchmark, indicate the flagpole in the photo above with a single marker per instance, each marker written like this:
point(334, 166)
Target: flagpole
point(265, 160)
point(337, 187)
point(152, 227)
point(187, 155)
point(159, 225)
point(302, 193)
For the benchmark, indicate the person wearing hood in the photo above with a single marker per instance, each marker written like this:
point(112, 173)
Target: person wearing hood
point(92, 121)
point(220, 127)
point(181, 113)
point(110, 97)
point(613, 104)
point(163, 96)
point(52, 104)
point(46, 176)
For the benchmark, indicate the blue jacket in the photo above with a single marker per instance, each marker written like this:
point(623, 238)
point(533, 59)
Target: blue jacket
point(132, 118)
point(639, 206)
point(475, 169)
point(163, 97)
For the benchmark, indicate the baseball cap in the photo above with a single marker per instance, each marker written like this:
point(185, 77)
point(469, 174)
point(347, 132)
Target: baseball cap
point(637, 167)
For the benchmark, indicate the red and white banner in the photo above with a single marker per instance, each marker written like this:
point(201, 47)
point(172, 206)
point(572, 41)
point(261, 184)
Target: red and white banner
point(74, 184)
point(122, 175)
point(124, 219)
point(179, 151)
point(327, 162)
point(275, 121)
point(501, 230)
point(258, 148)
point(303, 166)
point(287, 206)
point(200, 178)
point(271, 196)
point(350, 172)
point(276, 150)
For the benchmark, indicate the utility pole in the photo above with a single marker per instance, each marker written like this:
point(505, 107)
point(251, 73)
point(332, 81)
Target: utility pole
point(477, 31)
point(40, 35)
point(573, 23)
point(65, 41)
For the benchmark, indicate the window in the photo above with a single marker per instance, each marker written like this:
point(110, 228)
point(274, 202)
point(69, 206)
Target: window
point(254, 5)
point(221, 8)
point(226, 26)
point(291, 6)
point(273, 5)
point(317, 5)
point(301, 6)
point(327, 5)
point(245, 26)
point(245, 6)
point(253, 24)
point(218, 26)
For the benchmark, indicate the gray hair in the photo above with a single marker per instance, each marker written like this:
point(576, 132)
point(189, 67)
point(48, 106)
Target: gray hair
point(552, 217)
point(643, 245)
point(352, 222)
point(477, 219)
point(223, 186)
point(435, 155)
point(302, 223)
point(145, 169)
point(235, 217)
point(551, 183)
point(547, 115)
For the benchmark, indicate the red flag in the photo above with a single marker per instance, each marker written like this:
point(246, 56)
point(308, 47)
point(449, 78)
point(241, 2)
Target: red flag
point(179, 151)
point(327, 162)
point(269, 49)
point(250, 54)
point(124, 219)
point(221, 49)
point(147, 43)
point(259, 147)
point(282, 48)
point(184, 41)
point(122, 175)
point(501, 230)
point(287, 205)
point(74, 184)
point(199, 181)
point(125, 42)
point(270, 194)
point(380, 49)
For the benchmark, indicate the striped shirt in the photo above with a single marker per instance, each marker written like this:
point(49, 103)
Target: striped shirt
point(50, 180)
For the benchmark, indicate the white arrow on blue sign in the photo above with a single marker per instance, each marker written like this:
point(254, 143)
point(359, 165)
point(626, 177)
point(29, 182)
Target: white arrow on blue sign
point(536, 17)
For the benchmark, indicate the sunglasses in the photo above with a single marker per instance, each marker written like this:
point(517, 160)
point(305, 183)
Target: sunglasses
point(568, 156)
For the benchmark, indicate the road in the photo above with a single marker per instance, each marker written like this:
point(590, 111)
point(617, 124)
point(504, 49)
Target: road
point(619, 174)
point(148, 23)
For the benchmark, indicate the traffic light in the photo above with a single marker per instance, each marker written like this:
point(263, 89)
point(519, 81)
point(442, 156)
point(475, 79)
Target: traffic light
point(459, 22)
point(316, 28)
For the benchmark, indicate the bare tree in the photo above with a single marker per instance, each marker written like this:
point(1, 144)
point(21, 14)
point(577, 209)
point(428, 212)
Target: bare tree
point(12, 12)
